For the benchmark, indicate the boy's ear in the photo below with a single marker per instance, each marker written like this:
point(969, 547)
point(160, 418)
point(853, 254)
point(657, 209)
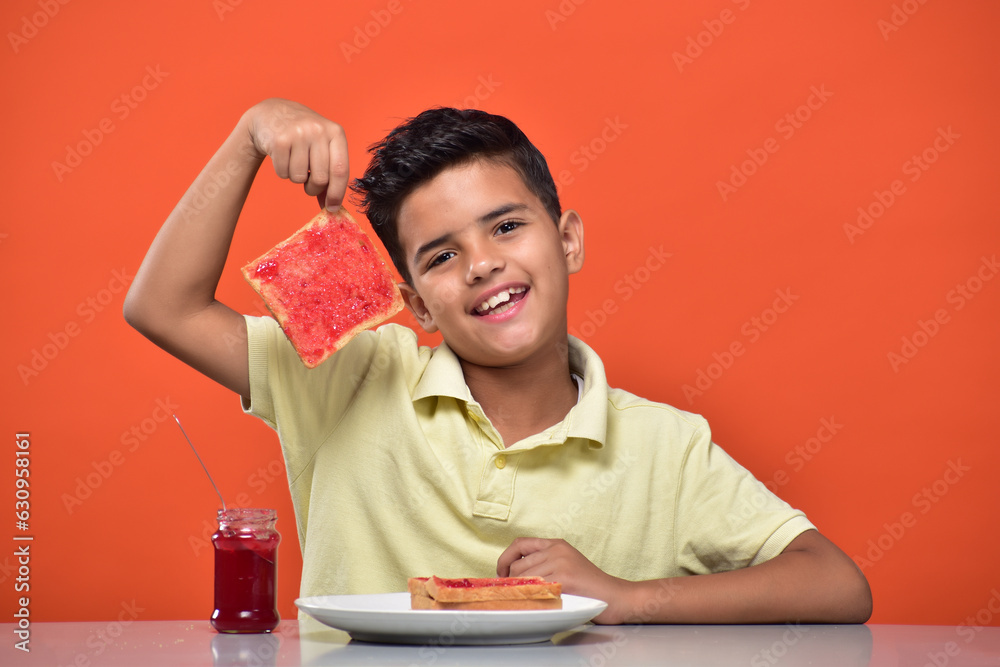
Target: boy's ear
point(571, 230)
point(415, 304)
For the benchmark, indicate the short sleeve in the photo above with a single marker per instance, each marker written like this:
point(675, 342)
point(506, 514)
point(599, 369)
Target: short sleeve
point(260, 403)
point(726, 519)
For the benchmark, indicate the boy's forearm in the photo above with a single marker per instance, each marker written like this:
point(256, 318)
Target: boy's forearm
point(810, 582)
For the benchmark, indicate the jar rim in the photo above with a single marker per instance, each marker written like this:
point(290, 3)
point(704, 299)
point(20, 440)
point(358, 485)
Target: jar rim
point(244, 513)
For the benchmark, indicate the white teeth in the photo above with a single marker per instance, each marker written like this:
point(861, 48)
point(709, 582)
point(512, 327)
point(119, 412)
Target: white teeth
point(497, 299)
point(505, 307)
point(502, 297)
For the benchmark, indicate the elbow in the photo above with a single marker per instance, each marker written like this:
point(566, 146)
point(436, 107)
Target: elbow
point(137, 312)
point(843, 593)
point(860, 609)
point(854, 603)
point(132, 311)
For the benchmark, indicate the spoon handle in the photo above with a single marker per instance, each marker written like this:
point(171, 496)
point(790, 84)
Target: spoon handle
point(200, 461)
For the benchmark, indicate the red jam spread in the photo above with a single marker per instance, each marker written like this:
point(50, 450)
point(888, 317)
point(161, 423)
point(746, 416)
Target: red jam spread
point(327, 281)
point(481, 583)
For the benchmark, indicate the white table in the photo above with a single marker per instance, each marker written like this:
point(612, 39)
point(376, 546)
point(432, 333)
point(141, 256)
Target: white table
point(174, 643)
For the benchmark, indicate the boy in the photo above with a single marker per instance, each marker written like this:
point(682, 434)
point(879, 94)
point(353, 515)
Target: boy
point(503, 451)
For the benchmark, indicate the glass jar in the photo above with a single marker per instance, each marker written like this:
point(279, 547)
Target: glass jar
point(246, 574)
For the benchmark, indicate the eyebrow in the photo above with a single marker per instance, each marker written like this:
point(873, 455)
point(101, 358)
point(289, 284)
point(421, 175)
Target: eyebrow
point(498, 212)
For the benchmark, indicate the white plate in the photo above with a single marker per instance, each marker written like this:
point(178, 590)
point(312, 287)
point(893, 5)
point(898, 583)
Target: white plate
point(387, 617)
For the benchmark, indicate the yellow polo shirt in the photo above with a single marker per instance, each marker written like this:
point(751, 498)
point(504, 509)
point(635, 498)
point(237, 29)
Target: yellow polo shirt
point(395, 471)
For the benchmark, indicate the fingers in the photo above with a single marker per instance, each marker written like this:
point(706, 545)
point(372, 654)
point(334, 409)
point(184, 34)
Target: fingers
point(338, 174)
point(298, 162)
point(305, 148)
point(518, 550)
point(536, 564)
point(280, 153)
point(327, 173)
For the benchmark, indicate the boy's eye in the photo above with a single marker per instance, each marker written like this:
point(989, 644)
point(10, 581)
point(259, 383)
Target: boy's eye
point(438, 259)
point(507, 227)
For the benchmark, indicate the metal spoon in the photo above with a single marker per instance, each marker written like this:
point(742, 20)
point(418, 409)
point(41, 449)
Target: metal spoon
point(200, 461)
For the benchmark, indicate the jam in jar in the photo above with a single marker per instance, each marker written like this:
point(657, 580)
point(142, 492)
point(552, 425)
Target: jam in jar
point(246, 550)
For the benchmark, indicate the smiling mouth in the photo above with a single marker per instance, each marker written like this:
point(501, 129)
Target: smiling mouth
point(501, 302)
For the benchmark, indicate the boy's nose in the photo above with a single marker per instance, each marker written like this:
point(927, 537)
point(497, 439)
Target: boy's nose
point(484, 259)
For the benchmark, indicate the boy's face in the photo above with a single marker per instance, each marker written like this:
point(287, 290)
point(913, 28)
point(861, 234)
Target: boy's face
point(473, 234)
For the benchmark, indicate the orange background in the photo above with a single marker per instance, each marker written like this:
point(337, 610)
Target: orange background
point(639, 139)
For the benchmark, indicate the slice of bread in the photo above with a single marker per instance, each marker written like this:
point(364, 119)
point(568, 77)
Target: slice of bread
point(501, 593)
point(325, 284)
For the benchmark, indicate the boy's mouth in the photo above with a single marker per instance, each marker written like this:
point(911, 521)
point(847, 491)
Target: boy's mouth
point(501, 301)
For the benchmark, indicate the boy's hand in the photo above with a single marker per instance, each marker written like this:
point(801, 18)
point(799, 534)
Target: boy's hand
point(304, 147)
point(557, 560)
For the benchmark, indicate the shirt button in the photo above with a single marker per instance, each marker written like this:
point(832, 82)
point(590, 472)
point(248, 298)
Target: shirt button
point(501, 461)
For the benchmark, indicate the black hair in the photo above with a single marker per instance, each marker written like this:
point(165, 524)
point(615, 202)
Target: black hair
point(423, 146)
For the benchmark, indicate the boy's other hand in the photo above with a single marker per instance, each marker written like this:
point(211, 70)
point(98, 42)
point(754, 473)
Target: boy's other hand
point(304, 147)
point(557, 560)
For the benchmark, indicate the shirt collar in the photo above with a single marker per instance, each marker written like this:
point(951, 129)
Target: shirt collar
point(586, 420)
point(443, 377)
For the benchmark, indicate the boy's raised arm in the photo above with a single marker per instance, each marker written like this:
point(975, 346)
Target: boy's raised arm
point(172, 299)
